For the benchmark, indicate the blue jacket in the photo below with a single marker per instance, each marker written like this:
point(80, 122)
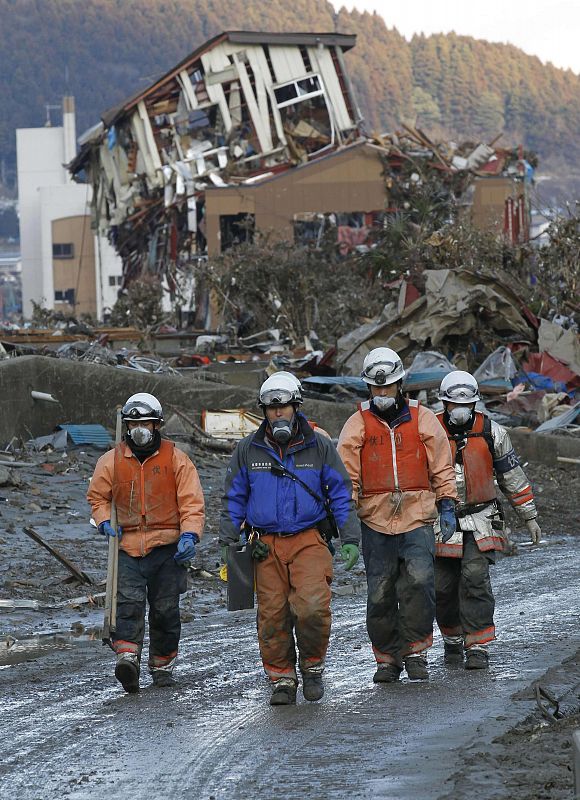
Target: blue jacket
point(253, 494)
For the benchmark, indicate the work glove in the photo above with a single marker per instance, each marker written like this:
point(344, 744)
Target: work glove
point(260, 550)
point(107, 529)
point(447, 520)
point(186, 547)
point(349, 553)
point(534, 530)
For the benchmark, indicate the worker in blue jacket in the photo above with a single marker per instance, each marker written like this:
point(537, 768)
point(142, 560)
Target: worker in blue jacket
point(281, 484)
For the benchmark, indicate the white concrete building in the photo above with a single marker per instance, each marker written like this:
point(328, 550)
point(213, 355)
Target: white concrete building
point(65, 265)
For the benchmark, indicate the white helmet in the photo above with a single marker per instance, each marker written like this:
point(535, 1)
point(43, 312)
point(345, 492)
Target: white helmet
point(142, 406)
point(291, 376)
point(280, 389)
point(459, 387)
point(382, 366)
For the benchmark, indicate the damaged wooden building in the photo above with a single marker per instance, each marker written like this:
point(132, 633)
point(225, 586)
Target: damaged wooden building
point(252, 131)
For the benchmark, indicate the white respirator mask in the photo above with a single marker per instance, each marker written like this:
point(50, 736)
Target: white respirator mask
point(141, 436)
point(384, 403)
point(460, 415)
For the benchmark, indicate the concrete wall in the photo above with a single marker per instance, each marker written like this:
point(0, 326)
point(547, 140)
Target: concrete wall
point(90, 393)
point(351, 180)
point(544, 448)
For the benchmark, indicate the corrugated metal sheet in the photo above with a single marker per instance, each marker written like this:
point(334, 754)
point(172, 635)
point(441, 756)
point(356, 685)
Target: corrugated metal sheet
point(87, 434)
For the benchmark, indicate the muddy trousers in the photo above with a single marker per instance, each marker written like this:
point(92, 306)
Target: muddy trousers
point(158, 579)
point(293, 589)
point(401, 591)
point(465, 601)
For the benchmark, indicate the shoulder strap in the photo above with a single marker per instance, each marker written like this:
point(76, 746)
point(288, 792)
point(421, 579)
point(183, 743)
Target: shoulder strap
point(281, 472)
point(485, 433)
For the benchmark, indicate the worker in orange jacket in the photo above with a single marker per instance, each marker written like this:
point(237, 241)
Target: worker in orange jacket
point(160, 513)
point(481, 450)
point(401, 469)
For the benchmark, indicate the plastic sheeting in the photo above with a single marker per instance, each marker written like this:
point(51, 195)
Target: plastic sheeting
point(455, 303)
point(427, 371)
point(497, 371)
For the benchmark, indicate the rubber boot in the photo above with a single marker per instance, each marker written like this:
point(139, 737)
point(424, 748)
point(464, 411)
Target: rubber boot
point(387, 673)
point(416, 666)
point(283, 692)
point(312, 686)
point(161, 670)
point(476, 658)
point(163, 678)
point(453, 651)
point(127, 672)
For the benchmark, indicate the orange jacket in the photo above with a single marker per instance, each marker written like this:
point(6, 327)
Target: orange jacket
point(397, 512)
point(477, 462)
point(137, 489)
point(389, 460)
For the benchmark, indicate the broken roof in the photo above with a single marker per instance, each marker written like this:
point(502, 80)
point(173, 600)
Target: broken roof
point(342, 40)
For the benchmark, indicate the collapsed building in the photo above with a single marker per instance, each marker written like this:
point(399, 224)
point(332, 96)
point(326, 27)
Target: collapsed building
point(242, 105)
point(252, 132)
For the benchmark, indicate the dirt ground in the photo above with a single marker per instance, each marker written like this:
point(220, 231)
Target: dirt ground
point(531, 760)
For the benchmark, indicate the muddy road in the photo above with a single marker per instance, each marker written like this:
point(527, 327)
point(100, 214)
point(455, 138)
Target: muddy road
point(69, 731)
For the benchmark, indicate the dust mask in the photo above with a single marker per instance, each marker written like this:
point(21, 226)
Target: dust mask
point(460, 415)
point(282, 430)
point(141, 436)
point(384, 403)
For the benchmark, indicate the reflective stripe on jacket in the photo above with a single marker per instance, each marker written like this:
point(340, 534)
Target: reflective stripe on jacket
point(473, 452)
point(145, 493)
point(484, 521)
point(392, 458)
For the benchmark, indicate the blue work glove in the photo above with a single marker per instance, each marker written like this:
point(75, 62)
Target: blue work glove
point(447, 519)
point(107, 529)
point(349, 553)
point(186, 547)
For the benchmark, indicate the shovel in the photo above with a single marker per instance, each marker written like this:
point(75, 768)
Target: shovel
point(110, 621)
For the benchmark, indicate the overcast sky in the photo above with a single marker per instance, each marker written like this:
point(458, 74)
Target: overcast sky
point(549, 29)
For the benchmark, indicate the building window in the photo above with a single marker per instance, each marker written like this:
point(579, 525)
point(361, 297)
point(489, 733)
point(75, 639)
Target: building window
point(115, 280)
point(63, 250)
point(235, 229)
point(65, 296)
point(305, 116)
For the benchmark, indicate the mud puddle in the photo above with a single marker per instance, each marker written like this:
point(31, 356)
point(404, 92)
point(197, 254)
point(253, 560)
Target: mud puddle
point(28, 648)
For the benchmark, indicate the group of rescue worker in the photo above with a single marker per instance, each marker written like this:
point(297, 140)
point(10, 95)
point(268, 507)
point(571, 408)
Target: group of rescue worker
point(418, 488)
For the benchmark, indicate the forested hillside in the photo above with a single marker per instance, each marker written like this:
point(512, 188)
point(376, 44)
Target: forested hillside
point(102, 50)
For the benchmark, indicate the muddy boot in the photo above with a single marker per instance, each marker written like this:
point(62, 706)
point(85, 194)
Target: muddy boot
point(163, 678)
point(283, 692)
point(312, 686)
point(416, 666)
point(453, 651)
point(476, 658)
point(387, 673)
point(127, 672)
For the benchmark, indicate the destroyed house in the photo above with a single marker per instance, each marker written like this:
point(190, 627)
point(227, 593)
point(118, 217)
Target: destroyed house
point(242, 106)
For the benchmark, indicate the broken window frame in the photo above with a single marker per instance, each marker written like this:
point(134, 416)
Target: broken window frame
point(236, 229)
point(301, 98)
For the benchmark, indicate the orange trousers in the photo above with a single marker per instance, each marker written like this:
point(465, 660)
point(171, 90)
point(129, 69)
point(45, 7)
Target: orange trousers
point(293, 589)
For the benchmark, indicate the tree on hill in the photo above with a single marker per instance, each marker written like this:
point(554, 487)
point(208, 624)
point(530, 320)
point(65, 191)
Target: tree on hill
point(104, 50)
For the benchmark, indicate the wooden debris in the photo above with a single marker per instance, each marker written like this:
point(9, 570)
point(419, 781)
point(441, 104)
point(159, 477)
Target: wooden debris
point(81, 576)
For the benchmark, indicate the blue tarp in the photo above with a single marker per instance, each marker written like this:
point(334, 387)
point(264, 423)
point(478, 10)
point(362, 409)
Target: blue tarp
point(87, 434)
